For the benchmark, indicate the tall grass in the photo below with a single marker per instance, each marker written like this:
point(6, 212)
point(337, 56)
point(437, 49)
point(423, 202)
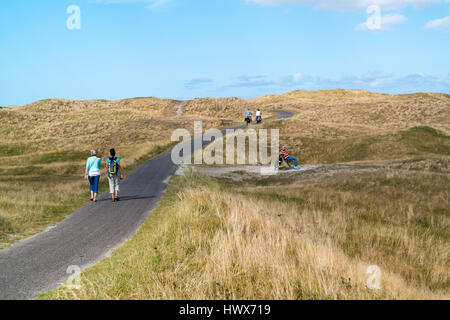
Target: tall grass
point(314, 239)
point(267, 239)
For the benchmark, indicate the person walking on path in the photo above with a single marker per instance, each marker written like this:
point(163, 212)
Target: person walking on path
point(92, 173)
point(114, 174)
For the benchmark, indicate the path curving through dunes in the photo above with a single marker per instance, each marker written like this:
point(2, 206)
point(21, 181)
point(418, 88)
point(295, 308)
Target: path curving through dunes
point(40, 263)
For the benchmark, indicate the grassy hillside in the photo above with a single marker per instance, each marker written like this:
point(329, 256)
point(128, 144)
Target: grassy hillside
point(342, 125)
point(44, 145)
point(336, 126)
point(384, 201)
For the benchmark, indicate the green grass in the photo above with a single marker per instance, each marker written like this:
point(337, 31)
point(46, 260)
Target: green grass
point(15, 149)
point(426, 139)
point(160, 149)
point(424, 130)
point(60, 156)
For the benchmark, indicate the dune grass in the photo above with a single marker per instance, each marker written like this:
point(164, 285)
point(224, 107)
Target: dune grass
point(44, 146)
point(427, 139)
point(309, 239)
point(414, 143)
point(275, 238)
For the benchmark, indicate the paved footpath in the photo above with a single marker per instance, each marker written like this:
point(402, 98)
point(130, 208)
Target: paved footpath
point(39, 264)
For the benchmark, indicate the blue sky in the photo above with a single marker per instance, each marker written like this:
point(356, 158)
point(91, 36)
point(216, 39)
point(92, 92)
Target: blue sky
point(184, 49)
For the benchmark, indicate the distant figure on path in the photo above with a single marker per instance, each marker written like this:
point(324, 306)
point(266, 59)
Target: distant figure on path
point(114, 174)
point(92, 173)
point(248, 116)
point(258, 116)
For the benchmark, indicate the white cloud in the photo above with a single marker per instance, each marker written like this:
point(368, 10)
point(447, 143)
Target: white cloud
point(387, 5)
point(197, 83)
point(386, 23)
point(158, 4)
point(443, 23)
point(297, 77)
point(372, 81)
point(340, 5)
point(151, 4)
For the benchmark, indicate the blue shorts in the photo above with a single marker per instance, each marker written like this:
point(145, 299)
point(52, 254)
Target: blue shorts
point(93, 181)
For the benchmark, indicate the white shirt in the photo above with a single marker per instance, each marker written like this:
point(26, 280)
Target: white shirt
point(258, 113)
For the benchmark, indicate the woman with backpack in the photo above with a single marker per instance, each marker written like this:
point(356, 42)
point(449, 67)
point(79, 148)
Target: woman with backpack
point(114, 174)
point(92, 173)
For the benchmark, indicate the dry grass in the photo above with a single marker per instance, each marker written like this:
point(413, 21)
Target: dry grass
point(311, 239)
point(370, 112)
point(43, 147)
point(44, 144)
point(348, 125)
point(354, 125)
point(306, 240)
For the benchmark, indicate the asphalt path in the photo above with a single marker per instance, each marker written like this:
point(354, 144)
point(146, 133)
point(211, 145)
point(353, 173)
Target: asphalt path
point(41, 263)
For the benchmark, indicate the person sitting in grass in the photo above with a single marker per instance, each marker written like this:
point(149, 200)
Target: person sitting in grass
point(286, 157)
